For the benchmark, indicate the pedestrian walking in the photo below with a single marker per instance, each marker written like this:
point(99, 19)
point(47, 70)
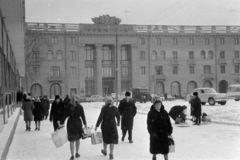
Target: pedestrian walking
point(38, 113)
point(107, 118)
point(76, 115)
point(57, 111)
point(66, 101)
point(28, 108)
point(197, 108)
point(46, 106)
point(159, 128)
point(127, 110)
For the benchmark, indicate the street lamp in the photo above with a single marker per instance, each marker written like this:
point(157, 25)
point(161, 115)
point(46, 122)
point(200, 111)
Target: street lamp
point(116, 63)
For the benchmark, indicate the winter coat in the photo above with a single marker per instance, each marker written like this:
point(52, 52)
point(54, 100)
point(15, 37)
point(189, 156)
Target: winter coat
point(197, 107)
point(108, 124)
point(28, 108)
point(74, 124)
point(38, 111)
point(57, 111)
point(159, 128)
point(127, 110)
point(175, 111)
point(46, 106)
point(66, 101)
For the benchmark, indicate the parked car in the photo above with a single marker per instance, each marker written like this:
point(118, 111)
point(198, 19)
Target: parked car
point(209, 95)
point(141, 94)
point(83, 99)
point(95, 98)
point(157, 96)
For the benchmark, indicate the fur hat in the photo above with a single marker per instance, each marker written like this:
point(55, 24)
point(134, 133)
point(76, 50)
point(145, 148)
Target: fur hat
point(57, 97)
point(108, 100)
point(128, 94)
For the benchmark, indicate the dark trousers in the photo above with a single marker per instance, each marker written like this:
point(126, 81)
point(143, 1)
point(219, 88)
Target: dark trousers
point(124, 132)
point(198, 120)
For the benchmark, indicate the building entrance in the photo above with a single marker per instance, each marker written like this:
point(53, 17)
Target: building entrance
point(108, 86)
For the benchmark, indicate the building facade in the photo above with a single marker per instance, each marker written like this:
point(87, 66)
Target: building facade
point(84, 58)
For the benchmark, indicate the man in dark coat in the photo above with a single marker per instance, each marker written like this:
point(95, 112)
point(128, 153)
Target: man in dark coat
point(178, 111)
point(57, 112)
point(197, 108)
point(66, 101)
point(127, 110)
point(46, 106)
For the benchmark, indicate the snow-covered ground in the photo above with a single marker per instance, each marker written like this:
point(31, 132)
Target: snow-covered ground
point(229, 113)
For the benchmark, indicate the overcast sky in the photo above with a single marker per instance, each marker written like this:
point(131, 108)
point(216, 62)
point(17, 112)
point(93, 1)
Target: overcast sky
point(155, 12)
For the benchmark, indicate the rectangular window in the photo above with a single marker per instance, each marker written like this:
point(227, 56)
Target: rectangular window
point(207, 69)
point(54, 40)
point(158, 41)
point(191, 55)
point(143, 70)
point(222, 69)
point(89, 72)
point(174, 41)
point(90, 88)
point(107, 54)
point(73, 71)
point(191, 42)
point(107, 72)
point(73, 55)
point(222, 41)
point(236, 68)
point(206, 40)
point(72, 40)
point(159, 70)
point(142, 41)
point(222, 54)
point(175, 69)
point(125, 86)
point(142, 55)
point(175, 55)
point(191, 69)
point(236, 54)
point(236, 41)
point(89, 53)
point(124, 56)
point(55, 71)
point(125, 72)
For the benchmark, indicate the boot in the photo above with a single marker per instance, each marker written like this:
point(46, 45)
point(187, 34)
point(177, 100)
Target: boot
point(111, 156)
point(104, 152)
point(154, 157)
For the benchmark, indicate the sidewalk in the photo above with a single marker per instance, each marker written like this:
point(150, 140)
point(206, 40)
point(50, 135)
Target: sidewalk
point(205, 142)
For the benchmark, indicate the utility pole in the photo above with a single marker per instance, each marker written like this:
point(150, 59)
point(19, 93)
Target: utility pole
point(116, 62)
point(125, 16)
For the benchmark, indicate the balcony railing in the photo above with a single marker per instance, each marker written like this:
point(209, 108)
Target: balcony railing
point(207, 76)
point(55, 78)
point(222, 61)
point(160, 77)
point(107, 62)
point(175, 62)
point(191, 62)
point(125, 62)
point(236, 61)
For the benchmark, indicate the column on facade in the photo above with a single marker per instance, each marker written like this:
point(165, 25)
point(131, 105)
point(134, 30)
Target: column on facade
point(81, 69)
point(134, 64)
point(98, 69)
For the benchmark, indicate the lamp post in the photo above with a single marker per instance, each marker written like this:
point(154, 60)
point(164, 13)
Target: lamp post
point(116, 62)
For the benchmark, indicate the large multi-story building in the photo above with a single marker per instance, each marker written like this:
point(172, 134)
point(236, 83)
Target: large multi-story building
point(83, 58)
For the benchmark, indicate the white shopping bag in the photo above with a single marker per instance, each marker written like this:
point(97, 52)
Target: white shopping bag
point(87, 131)
point(59, 137)
point(96, 138)
point(171, 144)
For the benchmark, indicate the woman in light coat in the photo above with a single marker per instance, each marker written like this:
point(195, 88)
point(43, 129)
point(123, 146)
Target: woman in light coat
point(28, 108)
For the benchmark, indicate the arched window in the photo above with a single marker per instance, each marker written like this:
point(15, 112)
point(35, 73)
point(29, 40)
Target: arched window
point(161, 55)
point(210, 54)
point(50, 54)
point(154, 55)
point(36, 90)
point(59, 55)
point(203, 56)
point(55, 89)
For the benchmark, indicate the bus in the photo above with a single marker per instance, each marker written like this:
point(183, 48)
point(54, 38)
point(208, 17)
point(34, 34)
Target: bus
point(234, 91)
point(141, 94)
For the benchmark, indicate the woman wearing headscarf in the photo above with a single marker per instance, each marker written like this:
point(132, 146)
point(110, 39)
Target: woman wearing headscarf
point(197, 108)
point(38, 113)
point(107, 119)
point(159, 128)
point(28, 108)
point(76, 115)
point(57, 111)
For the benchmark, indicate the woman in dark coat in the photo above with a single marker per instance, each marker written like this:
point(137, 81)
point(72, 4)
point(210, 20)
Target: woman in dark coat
point(66, 101)
point(159, 128)
point(76, 115)
point(57, 111)
point(197, 108)
point(28, 108)
point(46, 105)
point(38, 113)
point(127, 111)
point(109, 125)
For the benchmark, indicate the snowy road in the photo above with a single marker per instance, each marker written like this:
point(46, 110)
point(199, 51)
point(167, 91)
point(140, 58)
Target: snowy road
point(205, 142)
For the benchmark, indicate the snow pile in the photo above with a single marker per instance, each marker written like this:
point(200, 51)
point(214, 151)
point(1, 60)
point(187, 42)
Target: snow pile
point(229, 113)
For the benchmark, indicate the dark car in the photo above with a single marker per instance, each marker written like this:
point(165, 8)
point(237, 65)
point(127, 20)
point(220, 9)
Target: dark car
point(141, 94)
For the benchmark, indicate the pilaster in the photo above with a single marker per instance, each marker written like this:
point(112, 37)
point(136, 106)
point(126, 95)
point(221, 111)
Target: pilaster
point(81, 69)
point(98, 69)
point(134, 63)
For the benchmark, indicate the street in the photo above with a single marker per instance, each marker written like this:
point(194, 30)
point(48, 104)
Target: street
point(205, 142)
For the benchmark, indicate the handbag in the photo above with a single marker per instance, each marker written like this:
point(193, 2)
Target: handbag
point(96, 138)
point(171, 144)
point(59, 137)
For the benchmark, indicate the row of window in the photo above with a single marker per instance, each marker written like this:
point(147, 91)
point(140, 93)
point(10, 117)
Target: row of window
point(203, 55)
point(190, 41)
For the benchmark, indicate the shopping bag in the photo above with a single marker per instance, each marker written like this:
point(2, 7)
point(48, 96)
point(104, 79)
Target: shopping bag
point(96, 138)
point(59, 137)
point(171, 144)
point(178, 120)
point(87, 131)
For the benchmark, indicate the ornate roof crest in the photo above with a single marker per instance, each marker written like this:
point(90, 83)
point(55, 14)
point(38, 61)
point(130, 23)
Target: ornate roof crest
point(106, 19)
